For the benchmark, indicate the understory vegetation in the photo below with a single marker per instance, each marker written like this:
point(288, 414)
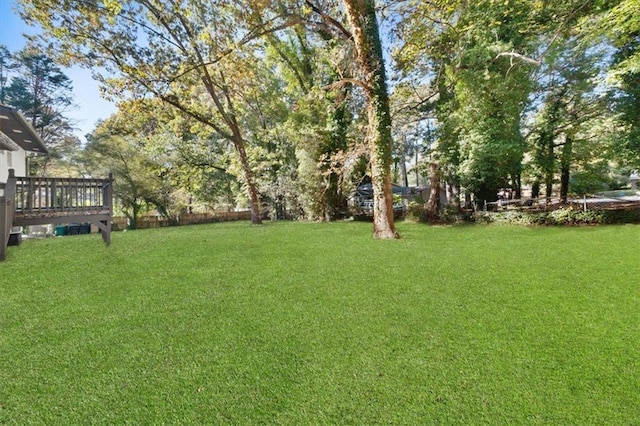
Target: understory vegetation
point(564, 216)
point(311, 323)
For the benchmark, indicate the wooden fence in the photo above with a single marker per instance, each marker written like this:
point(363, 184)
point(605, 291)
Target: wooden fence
point(145, 222)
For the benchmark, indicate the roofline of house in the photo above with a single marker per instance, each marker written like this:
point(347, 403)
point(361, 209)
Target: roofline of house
point(15, 127)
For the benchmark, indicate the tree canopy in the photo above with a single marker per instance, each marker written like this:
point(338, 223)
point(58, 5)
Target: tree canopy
point(285, 106)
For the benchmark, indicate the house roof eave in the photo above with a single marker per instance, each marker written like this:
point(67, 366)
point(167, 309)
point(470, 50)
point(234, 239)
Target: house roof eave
point(16, 128)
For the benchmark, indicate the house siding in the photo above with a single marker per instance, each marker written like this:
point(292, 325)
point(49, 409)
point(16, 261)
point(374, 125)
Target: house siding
point(16, 160)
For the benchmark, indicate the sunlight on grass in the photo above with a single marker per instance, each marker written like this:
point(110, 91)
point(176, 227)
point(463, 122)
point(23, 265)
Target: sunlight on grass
point(300, 323)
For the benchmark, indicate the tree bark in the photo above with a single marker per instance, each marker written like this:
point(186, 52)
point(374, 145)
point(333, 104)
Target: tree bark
point(517, 185)
point(249, 179)
point(403, 171)
point(565, 166)
point(549, 168)
point(366, 37)
point(433, 205)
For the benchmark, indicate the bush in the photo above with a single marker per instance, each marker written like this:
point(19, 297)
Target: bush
point(574, 217)
point(416, 212)
point(621, 216)
point(560, 217)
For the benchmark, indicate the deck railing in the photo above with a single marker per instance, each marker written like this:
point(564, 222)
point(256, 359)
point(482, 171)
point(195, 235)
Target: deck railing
point(53, 196)
point(33, 200)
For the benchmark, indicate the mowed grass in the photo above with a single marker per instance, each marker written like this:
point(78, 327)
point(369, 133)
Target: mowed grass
point(298, 323)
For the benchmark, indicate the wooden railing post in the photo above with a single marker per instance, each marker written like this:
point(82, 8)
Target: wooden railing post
point(7, 208)
point(107, 201)
point(53, 198)
point(5, 227)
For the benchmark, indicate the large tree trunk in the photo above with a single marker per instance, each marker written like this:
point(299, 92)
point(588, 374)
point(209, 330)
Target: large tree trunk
point(366, 36)
point(249, 179)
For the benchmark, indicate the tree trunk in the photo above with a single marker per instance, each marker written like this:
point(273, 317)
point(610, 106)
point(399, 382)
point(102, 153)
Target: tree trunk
point(249, 179)
point(433, 205)
point(565, 166)
point(366, 37)
point(549, 170)
point(517, 184)
point(486, 194)
point(133, 216)
point(403, 171)
point(535, 190)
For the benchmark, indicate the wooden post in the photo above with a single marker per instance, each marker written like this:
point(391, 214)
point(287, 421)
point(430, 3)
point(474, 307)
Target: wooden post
point(108, 202)
point(5, 228)
point(52, 196)
point(6, 213)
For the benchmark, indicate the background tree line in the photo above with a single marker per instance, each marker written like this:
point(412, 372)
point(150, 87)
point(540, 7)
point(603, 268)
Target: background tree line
point(283, 106)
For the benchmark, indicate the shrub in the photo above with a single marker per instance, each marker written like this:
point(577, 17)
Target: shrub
point(415, 212)
point(561, 217)
point(621, 216)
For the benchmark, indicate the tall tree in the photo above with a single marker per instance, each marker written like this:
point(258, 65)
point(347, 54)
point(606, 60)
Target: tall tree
point(622, 26)
point(5, 67)
point(37, 86)
point(370, 75)
point(482, 58)
point(319, 121)
point(366, 37)
point(568, 100)
point(196, 56)
point(140, 146)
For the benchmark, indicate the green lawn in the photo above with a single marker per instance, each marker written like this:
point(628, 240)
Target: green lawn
point(295, 323)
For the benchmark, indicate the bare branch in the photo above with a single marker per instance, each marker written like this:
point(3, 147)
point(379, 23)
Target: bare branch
point(519, 56)
point(337, 25)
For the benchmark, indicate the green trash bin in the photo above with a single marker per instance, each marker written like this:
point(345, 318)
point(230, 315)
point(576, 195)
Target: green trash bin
point(60, 230)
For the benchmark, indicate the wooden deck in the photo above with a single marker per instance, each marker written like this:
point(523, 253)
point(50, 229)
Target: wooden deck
point(38, 200)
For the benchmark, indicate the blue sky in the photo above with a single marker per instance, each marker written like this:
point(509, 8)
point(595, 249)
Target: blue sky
point(90, 106)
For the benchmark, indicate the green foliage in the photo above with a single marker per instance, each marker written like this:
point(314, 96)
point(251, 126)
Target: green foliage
point(270, 99)
point(490, 63)
point(123, 146)
point(312, 323)
point(203, 59)
point(415, 212)
point(482, 91)
point(625, 99)
point(590, 181)
point(318, 128)
point(622, 25)
point(560, 217)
